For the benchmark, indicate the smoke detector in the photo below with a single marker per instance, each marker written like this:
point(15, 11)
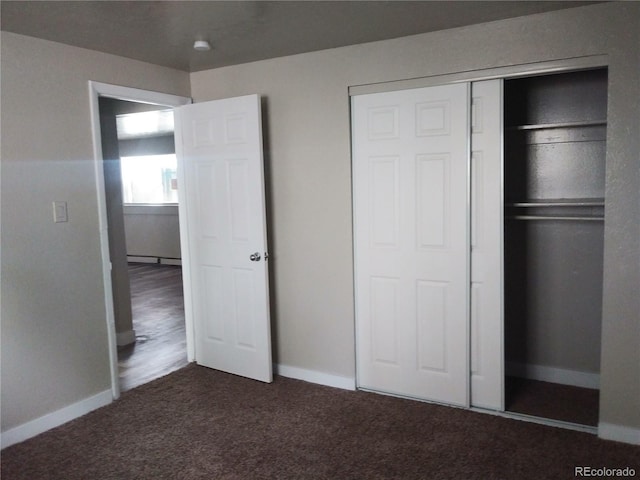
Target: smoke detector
point(201, 45)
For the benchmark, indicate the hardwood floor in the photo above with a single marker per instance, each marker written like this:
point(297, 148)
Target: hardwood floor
point(158, 319)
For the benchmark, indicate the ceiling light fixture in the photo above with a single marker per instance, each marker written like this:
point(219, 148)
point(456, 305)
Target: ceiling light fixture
point(201, 45)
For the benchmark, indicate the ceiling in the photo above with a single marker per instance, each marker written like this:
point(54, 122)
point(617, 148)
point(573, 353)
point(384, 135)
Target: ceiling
point(163, 32)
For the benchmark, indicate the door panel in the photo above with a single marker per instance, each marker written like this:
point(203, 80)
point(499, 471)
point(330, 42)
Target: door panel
point(410, 171)
point(223, 200)
point(432, 325)
point(487, 355)
point(432, 190)
point(384, 335)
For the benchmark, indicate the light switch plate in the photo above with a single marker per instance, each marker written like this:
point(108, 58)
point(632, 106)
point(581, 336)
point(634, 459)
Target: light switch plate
point(60, 212)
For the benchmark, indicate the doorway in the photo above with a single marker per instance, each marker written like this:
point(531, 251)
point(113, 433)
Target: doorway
point(112, 290)
point(140, 170)
point(220, 167)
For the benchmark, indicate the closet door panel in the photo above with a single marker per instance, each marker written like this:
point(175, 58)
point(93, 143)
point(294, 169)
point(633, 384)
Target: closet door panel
point(410, 180)
point(487, 357)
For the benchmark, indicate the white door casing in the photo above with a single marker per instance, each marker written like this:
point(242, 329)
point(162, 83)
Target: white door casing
point(97, 90)
point(223, 201)
point(487, 354)
point(411, 228)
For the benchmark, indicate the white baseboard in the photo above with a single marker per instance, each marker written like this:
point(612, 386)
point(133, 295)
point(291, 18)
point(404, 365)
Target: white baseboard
point(54, 419)
point(313, 376)
point(160, 260)
point(554, 375)
point(619, 433)
point(125, 338)
point(135, 259)
point(171, 261)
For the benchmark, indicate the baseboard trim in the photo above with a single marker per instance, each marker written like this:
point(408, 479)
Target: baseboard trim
point(125, 338)
point(313, 376)
point(619, 433)
point(137, 259)
point(54, 419)
point(554, 375)
point(171, 261)
point(153, 260)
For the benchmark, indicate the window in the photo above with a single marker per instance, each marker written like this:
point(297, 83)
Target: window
point(147, 157)
point(149, 179)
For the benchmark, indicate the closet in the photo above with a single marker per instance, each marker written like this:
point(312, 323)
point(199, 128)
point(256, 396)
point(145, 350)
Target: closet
point(478, 238)
point(554, 179)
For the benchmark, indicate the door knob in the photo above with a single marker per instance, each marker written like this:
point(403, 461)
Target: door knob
point(255, 257)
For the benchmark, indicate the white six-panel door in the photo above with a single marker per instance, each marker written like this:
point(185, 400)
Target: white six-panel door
point(487, 354)
point(222, 195)
point(411, 227)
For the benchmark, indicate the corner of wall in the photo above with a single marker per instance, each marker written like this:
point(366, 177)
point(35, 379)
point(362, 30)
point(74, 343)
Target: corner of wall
point(54, 419)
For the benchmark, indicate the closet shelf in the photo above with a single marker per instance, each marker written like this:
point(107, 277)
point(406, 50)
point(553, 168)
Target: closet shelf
point(555, 217)
point(541, 126)
point(558, 202)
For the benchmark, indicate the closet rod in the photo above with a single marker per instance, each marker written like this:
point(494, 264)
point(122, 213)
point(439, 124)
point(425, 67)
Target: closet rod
point(551, 217)
point(557, 203)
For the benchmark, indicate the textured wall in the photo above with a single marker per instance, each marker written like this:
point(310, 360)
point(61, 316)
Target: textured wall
point(54, 340)
point(308, 143)
point(152, 231)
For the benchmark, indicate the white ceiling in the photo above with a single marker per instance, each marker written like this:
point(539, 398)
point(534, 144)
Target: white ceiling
point(163, 32)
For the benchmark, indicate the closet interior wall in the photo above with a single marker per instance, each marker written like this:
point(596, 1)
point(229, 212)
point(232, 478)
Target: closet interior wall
point(554, 179)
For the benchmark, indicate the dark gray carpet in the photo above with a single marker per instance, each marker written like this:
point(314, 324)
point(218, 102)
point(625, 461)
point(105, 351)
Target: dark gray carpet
point(197, 423)
point(552, 400)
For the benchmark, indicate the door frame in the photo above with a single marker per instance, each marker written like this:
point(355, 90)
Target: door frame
point(97, 90)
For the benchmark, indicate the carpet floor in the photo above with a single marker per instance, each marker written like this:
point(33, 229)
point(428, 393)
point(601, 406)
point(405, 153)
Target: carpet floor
point(198, 423)
point(552, 400)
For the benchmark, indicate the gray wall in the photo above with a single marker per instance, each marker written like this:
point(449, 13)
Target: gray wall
point(54, 348)
point(120, 286)
point(152, 231)
point(54, 330)
point(307, 131)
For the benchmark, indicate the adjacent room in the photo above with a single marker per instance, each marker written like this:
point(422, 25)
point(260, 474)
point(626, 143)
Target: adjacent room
point(140, 171)
point(320, 239)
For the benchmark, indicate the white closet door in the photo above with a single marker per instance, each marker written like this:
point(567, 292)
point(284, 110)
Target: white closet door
point(411, 183)
point(487, 355)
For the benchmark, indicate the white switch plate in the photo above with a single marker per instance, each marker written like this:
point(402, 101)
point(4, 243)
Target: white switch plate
point(60, 212)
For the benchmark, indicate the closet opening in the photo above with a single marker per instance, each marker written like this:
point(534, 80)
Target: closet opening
point(554, 189)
